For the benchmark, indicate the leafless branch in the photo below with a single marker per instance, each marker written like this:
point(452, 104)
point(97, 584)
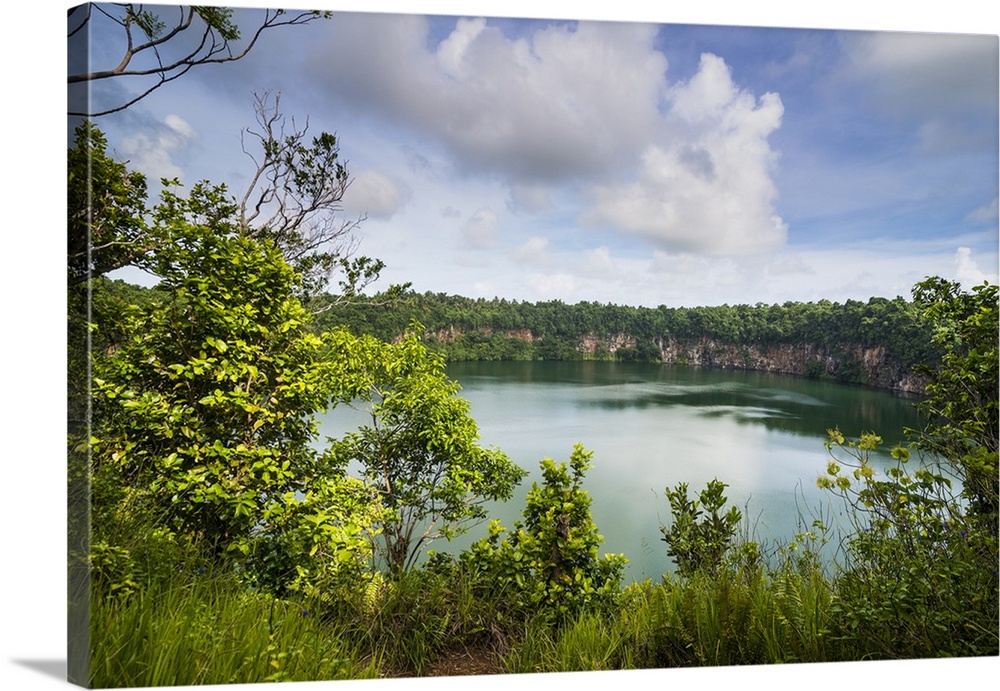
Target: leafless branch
point(156, 39)
point(295, 192)
point(298, 185)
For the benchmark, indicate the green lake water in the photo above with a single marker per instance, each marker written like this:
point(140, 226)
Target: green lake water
point(653, 426)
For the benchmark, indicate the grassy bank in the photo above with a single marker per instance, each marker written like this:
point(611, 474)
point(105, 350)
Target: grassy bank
point(213, 630)
point(446, 621)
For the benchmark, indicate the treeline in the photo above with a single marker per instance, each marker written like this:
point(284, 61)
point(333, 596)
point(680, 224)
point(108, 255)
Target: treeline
point(499, 329)
point(468, 329)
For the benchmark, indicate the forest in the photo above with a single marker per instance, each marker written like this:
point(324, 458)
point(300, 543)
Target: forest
point(214, 539)
point(478, 329)
point(461, 328)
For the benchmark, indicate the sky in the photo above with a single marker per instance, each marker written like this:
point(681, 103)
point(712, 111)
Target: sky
point(617, 161)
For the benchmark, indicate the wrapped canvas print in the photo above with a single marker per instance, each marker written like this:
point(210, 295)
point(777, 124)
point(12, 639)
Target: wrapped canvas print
point(407, 346)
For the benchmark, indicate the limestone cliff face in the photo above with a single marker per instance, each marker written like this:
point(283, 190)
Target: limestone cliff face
point(596, 345)
point(874, 365)
point(877, 366)
point(451, 333)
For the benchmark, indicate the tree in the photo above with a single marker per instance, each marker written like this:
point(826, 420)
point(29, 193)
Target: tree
point(206, 411)
point(420, 450)
point(197, 245)
point(157, 50)
point(961, 408)
point(921, 571)
point(294, 198)
point(106, 210)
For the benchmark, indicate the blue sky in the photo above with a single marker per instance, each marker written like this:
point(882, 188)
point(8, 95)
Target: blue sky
point(620, 161)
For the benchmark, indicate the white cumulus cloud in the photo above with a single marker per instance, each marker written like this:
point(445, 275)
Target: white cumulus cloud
point(708, 189)
point(152, 151)
point(451, 52)
point(967, 271)
point(534, 251)
point(579, 112)
point(566, 100)
point(372, 194)
point(479, 231)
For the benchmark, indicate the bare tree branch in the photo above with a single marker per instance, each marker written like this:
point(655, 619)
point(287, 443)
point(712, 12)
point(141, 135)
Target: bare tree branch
point(164, 52)
point(294, 198)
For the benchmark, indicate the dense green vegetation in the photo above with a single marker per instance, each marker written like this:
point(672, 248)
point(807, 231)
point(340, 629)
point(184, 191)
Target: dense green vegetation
point(224, 547)
point(462, 328)
point(499, 329)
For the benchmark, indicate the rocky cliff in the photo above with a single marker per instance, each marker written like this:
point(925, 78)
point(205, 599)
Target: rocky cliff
point(872, 365)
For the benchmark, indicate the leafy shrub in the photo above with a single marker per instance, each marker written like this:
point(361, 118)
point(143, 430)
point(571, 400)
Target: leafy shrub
point(921, 572)
point(320, 544)
point(550, 563)
point(700, 535)
point(111, 569)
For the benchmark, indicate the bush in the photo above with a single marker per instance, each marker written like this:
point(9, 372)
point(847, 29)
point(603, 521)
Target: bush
point(549, 563)
point(921, 572)
point(700, 535)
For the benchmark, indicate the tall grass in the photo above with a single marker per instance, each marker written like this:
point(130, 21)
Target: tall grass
point(732, 617)
point(736, 618)
point(215, 630)
point(425, 615)
point(211, 630)
point(589, 642)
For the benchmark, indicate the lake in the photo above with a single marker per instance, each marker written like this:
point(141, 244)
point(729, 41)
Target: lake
point(653, 426)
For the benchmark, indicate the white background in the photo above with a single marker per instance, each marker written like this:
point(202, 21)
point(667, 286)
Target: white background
point(32, 455)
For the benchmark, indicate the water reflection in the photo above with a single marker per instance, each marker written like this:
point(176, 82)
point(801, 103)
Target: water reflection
point(779, 403)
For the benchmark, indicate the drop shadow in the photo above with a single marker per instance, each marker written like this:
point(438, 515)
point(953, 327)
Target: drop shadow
point(50, 668)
